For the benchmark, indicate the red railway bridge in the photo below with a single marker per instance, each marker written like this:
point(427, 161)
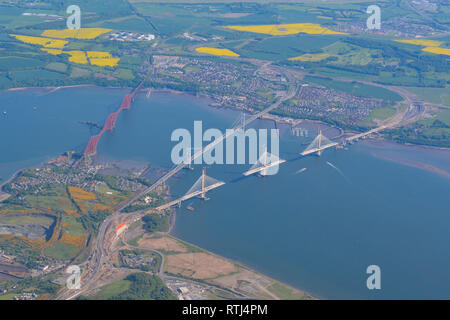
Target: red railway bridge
point(110, 124)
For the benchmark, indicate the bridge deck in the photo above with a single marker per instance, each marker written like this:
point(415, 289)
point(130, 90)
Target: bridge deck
point(255, 170)
point(360, 135)
point(188, 196)
point(304, 153)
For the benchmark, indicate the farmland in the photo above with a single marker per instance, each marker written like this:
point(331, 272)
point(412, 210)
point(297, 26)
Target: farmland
point(217, 52)
point(303, 35)
point(67, 203)
point(286, 29)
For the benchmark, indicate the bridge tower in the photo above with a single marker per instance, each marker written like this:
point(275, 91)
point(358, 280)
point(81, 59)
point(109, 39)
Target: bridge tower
point(319, 142)
point(264, 163)
point(203, 195)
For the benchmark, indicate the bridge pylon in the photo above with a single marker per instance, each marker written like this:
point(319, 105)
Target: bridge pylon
point(319, 144)
point(265, 162)
point(203, 194)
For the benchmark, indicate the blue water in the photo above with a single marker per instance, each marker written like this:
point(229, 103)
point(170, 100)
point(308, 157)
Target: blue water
point(40, 125)
point(317, 230)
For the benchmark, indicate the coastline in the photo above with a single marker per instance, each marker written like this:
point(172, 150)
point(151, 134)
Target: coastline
point(279, 119)
point(243, 266)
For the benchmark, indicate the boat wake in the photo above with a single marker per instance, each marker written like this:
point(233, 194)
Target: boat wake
point(338, 170)
point(300, 171)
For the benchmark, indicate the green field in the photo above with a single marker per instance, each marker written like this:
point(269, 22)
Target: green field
point(62, 251)
point(380, 114)
point(17, 63)
point(79, 72)
point(26, 219)
point(57, 66)
point(356, 88)
point(348, 54)
point(73, 226)
point(129, 23)
point(284, 292)
point(111, 290)
point(434, 95)
point(44, 202)
point(282, 48)
point(35, 75)
point(124, 74)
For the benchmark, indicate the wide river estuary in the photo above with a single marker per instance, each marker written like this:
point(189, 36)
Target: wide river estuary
point(318, 229)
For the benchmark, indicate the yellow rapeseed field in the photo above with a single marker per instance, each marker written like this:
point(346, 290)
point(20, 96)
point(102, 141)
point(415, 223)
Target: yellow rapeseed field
point(82, 33)
point(98, 54)
point(80, 194)
point(52, 51)
point(45, 42)
point(107, 62)
point(419, 42)
point(102, 59)
point(311, 57)
point(54, 46)
point(217, 52)
point(77, 56)
point(286, 29)
point(437, 50)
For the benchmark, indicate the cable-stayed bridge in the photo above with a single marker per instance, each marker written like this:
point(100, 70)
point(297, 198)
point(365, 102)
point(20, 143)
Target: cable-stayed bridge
point(319, 144)
point(291, 92)
point(198, 189)
point(264, 163)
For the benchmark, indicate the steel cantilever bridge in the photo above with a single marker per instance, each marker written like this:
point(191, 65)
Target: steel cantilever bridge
point(110, 124)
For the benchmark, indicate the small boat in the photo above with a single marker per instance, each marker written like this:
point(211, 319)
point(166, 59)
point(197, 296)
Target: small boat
point(4, 112)
point(190, 208)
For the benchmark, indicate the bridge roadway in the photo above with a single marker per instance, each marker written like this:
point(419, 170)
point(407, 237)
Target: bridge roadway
point(361, 135)
point(263, 167)
point(186, 197)
point(351, 138)
point(305, 153)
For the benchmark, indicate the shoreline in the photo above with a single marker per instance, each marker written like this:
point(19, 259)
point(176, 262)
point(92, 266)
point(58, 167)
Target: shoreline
point(278, 119)
point(240, 264)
